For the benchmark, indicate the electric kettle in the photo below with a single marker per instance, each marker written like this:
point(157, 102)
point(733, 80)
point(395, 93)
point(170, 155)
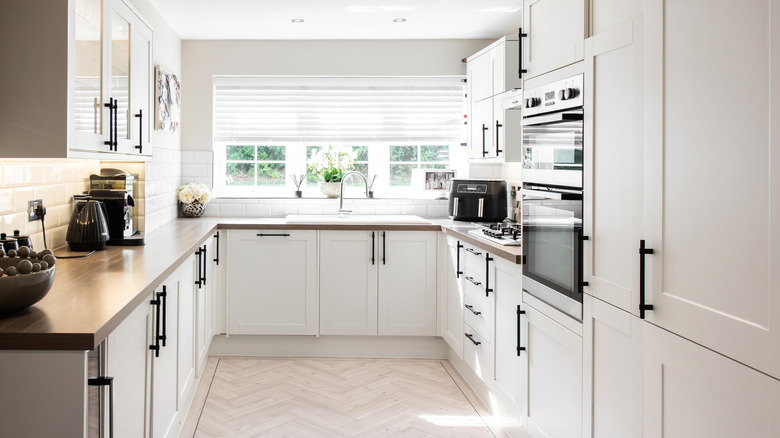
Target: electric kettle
point(88, 228)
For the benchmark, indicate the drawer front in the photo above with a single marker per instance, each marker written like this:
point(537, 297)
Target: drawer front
point(473, 261)
point(477, 353)
point(478, 309)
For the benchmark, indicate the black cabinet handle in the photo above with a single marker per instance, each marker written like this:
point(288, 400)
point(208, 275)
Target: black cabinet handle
point(273, 235)
point(471, 308)
point(164, 296)
point(200, 272)
point(484, 151)
point(140, 146)
point(373, 247)
point(520, 36)
point(216, 256)
point(106, 381)
point(488, 259)
point(471, 338)
point(498, 125)
point(156, 346)
point(384, 248)
point(458, 272)
point(110, 106)
point(471, 279)
point(519, 312)
point(477, 253)
point(580, 261)
point(116, 125)
point(642, 252)
point(203, 279)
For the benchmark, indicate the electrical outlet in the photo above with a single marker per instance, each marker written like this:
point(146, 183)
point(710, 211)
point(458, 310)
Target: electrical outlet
point(32, 207)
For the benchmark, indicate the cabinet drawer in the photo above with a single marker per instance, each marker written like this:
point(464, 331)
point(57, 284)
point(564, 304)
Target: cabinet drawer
point(477, 353)
point(474, 296)
point(472, 260)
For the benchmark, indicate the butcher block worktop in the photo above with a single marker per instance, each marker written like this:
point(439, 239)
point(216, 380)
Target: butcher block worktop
point(91, 296)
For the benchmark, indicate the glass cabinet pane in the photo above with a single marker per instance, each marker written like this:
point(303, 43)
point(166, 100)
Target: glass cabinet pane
point(89, 66)
point(120, 72)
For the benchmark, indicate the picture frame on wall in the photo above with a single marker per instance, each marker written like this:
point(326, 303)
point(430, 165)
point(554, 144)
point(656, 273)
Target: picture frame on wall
point(436, 182)
point(167, 100)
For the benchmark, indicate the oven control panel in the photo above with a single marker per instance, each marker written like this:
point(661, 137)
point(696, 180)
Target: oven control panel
point(555, 96)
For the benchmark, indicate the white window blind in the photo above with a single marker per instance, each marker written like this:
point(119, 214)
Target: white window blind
point(339, 109)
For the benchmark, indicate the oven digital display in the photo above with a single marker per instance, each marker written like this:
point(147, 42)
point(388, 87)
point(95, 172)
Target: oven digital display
point(472, 188)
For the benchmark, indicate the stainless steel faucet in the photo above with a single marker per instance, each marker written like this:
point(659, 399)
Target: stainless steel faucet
point(341, 195)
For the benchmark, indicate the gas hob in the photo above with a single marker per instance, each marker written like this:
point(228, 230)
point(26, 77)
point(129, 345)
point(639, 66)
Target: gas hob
point(500, 233)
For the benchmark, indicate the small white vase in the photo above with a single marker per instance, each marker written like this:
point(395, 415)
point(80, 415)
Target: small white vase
point(330, 189)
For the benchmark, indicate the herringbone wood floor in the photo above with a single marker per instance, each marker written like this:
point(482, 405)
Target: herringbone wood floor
point(259, 397)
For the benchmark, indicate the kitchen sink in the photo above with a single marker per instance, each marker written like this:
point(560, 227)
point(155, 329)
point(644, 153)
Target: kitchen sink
point(355, 219)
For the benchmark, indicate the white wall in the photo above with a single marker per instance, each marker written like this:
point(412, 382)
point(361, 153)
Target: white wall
point(203, 59)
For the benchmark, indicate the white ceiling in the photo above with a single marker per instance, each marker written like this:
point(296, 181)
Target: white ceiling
point(341, 19)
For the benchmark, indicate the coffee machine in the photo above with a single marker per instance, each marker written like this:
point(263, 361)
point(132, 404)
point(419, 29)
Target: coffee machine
point(115, 188)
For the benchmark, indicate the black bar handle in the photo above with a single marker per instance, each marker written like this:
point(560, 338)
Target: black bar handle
point(116, 125)
point(488, 259)
point(106, 381)
point(520, 36)
point(477, 253)
point(156, 346)
point(519, 312)
point(498, 125)
point(484, 151)
point(580, 261)
point(471, 338)
point(471, 279)
point(140, 146)
point(164, 296)
point(458, 272)
point(200, 273)
point(110, 106)
point(471, 308)
point(273, 235)
point(384, 248)
point(642, 252)
point(216, 256)
point(203, 279)
point(373, 247)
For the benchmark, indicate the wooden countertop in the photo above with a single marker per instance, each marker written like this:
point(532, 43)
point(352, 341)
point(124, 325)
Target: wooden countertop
point(91, 296)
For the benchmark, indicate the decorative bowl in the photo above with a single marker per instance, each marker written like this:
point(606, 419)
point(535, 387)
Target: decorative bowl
point(21, 291)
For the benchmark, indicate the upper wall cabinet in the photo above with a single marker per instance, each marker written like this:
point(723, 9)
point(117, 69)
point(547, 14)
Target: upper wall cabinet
point(82, 88)
point(494, 69)
point(555, 30)
point(712, 215)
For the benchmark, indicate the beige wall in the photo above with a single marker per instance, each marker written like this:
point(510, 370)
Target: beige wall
point(203, 59)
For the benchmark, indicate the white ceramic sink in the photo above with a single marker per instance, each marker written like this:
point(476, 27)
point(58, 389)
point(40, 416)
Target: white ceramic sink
point(356, 219)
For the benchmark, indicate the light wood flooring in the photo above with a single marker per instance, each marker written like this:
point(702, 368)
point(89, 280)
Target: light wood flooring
point(304, 397)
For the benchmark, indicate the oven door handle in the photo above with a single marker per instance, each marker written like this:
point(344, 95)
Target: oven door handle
point(548, 119)
point(550, 194)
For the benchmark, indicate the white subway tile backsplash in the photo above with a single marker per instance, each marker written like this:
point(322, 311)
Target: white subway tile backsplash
point(310, 208)
point(438, 211)
point(45, 193)
point(6, 201)
point(203, 157)
point(417, 210)
point(233, 210)
point(13, 175)
point(281, 210)
point(388, 209)
point(187, 157)
point(33, 175)
point(258, 210)
point(21, 196)
point(51, 174)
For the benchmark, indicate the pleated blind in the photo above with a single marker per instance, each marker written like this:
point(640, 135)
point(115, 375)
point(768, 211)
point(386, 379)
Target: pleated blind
point(338, 109)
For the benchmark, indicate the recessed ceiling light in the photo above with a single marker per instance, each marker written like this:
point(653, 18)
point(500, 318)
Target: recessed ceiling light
point(399, 20)
point(297, 20)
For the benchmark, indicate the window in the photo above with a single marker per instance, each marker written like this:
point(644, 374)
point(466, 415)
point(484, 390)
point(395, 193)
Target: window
point(268, 128)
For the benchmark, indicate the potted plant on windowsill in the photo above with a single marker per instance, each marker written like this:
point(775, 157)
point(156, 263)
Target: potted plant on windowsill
point(331, 164)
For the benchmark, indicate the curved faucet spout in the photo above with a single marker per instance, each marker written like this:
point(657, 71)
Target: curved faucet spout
point(341, 194)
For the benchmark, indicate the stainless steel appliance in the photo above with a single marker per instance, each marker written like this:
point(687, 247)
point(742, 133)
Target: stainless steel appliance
point(111, 181)
point(478, 200)
point(551, 195)
point(119, 206)
point(500, 233)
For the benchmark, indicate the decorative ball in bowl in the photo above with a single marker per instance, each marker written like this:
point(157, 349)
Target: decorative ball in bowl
point(25, 278)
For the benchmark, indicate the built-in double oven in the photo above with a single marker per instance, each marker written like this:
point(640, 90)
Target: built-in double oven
point(552, 236)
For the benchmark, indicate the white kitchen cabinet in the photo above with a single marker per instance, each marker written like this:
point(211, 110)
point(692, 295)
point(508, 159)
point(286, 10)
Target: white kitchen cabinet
point(479, 75)
point(551, 373)
point(482, 143)
point(407, 283)
point(272, 282)
point(613, 147)
point(494, 69)
point(711, 198)
point(556, 30)
point(164, 386)
point(348, 282)
point(452, 302)
point(508, 293)
point(612, 361)
point(691, 391)
point(54, 99)
point(185, 326)
point(128, 361)
point(206, 287)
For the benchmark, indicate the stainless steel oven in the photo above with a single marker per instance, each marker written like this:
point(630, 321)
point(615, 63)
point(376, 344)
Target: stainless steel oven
point(552, 194)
